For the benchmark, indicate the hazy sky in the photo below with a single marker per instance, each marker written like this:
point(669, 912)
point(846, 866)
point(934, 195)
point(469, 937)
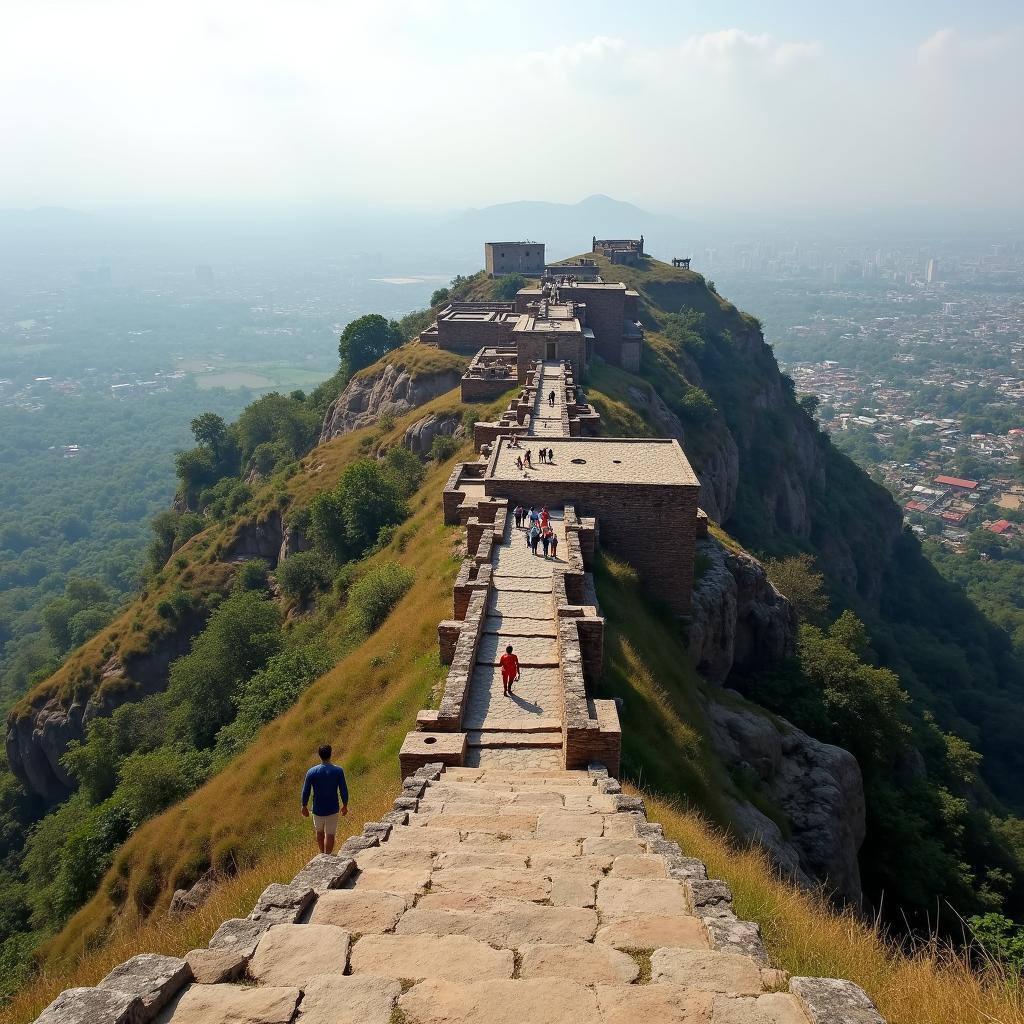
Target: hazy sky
point(451, 103)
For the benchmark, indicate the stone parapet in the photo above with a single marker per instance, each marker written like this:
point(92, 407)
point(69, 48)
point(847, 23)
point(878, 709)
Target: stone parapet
point(460, 672)
point(472, 577)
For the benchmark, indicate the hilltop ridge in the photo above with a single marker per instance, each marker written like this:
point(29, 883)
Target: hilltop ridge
point(768, 475)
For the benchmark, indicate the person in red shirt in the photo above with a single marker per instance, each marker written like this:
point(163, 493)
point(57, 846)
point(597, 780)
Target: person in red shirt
point(544, 517)
point(510, 670)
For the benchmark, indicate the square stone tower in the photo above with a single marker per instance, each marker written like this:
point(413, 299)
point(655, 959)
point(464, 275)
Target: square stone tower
point(514, 258)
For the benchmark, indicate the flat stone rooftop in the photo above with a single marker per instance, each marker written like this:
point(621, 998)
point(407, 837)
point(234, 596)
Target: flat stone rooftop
point(603, 460)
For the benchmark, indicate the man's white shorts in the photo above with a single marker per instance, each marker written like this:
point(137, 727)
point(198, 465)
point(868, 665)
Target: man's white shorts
point(327, 823)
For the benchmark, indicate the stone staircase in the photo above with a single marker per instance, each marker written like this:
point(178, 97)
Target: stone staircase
point(520, 612)
point(489, 897)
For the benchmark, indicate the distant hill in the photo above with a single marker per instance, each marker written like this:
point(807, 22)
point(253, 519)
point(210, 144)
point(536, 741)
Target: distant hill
point(567, 228)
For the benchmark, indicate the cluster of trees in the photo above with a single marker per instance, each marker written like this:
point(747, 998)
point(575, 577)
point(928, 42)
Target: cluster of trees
point(85, 517)
point(932, 830)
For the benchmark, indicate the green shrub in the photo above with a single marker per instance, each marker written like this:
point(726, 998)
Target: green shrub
point(443, 448)
point(373, 596)
point(301, 575)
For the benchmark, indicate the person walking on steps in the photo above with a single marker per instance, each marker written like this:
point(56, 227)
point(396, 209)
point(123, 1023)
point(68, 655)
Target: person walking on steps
point(326, 781)
point(534, 538)
point(528, 460)
point(510, 670)
point(517, 514)
point(534, 516)
point(545, 539)
point(554, 545)
point(551, 399)
point(545, 518)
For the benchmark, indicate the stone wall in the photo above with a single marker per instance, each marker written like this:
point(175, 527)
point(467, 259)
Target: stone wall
point(649, 526)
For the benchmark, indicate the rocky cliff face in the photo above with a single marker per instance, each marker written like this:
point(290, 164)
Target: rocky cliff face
point(35, 743)
point(391, 389)
point(420, 436)
point(816, 786)
point(740, 622)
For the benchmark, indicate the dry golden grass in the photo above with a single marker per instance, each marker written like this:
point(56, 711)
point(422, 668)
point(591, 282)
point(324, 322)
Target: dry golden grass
point(805, 935)
point(419, 360)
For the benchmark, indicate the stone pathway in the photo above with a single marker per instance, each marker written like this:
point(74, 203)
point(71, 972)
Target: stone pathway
point(526, 728)
point(547, 420)
point(525, 897)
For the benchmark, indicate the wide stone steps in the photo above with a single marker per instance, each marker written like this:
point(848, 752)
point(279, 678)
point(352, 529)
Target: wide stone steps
point(518, 897)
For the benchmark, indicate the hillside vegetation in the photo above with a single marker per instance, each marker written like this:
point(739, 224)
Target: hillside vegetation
point(231, 666)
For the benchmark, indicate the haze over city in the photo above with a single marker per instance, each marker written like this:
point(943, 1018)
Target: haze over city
point(414, 105)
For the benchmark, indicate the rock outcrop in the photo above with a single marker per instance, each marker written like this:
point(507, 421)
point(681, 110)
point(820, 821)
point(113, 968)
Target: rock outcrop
point(740, 622)
point(420, 436)
point(36, 742)
point(390, 389)
point(816, 786)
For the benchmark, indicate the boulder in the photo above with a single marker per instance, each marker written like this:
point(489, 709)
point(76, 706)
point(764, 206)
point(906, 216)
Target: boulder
point(155, 979)
point(740, 622)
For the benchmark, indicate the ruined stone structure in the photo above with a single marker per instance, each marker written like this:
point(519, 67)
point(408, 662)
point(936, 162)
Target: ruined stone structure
point(682, 262)
point(628, 251)
point(514, 258)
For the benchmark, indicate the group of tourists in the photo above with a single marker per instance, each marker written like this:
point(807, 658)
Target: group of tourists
point(539, 531)
point(545, 456)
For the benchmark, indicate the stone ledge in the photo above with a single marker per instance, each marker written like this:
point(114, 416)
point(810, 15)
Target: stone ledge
point(834, 1001)
point(240, 935)
point(94, 1006)
point(728, 934)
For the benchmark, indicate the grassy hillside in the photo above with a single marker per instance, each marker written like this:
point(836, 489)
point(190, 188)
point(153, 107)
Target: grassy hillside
point(708, 364)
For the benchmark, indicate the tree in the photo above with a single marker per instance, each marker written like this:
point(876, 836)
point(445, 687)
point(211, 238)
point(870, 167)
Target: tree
point(239, 638)
point(809, 404)
point(346, 521)
point(211, 430)
point(797, 579)
point(505, 288)
point(439, 296)
point(365, 340)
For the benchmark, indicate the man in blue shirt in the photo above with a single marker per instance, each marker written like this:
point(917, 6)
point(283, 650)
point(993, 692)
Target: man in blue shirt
point(326, 781)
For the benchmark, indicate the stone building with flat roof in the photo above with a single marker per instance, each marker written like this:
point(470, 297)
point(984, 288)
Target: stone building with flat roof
point(514, 258)
point(642, 492)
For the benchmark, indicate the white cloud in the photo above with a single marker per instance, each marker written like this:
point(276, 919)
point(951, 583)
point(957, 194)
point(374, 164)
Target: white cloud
point(733, 49)
point(946, 46)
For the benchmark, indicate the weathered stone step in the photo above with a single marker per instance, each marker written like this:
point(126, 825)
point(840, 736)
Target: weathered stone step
point(523, 584)
point(551, 739)
point(521, 605)
point(533, 652)
point(534, 723)
point(511, 627)
point(508, 926)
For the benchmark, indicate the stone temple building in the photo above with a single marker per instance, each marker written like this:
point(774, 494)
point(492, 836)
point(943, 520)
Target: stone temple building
point(513, 258)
